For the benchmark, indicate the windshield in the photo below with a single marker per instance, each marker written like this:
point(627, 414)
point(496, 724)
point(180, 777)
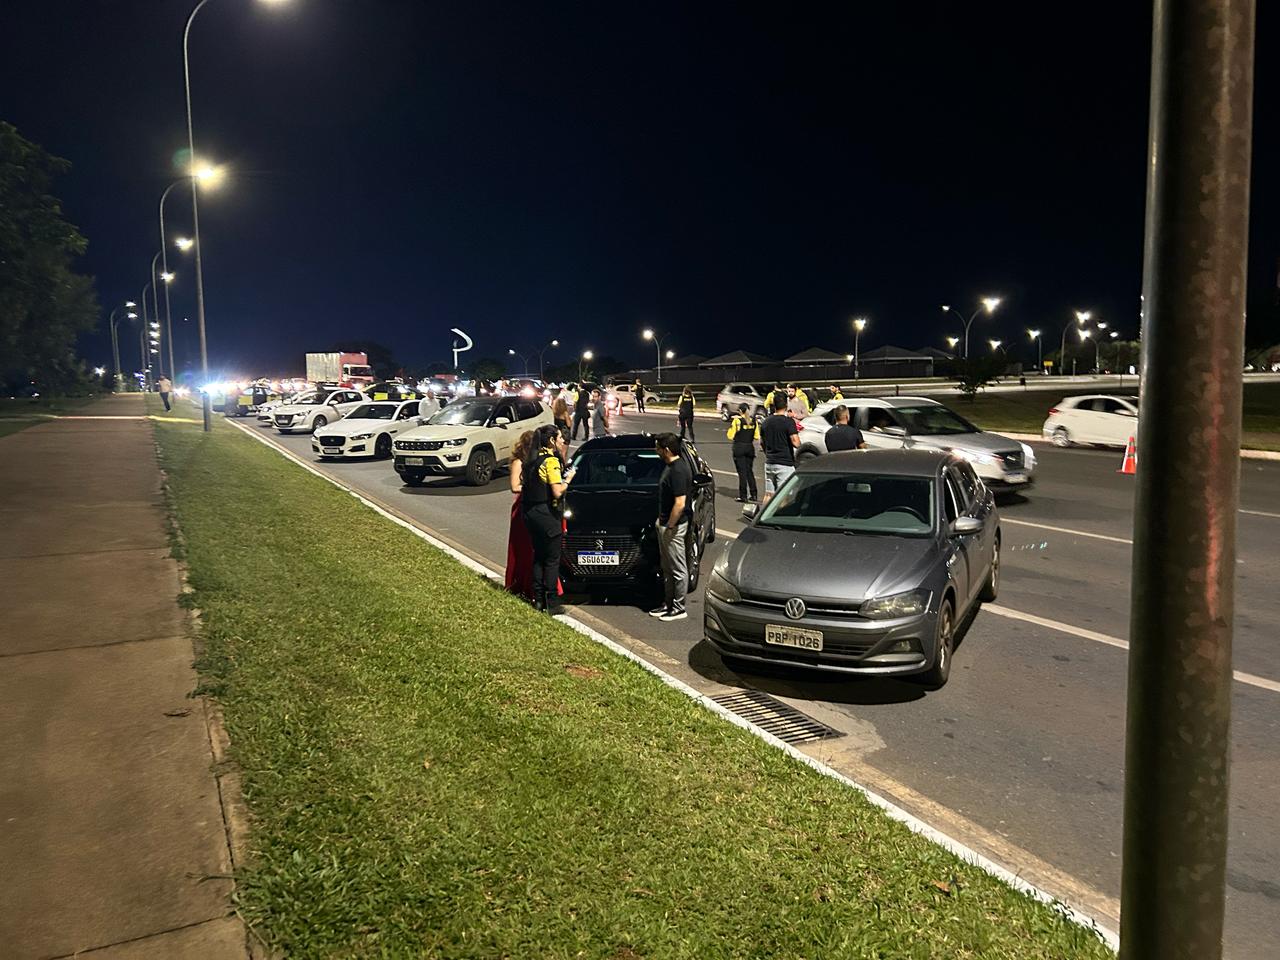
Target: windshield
point(933, 419)
point(465, 413)
point(373, 411)
point(617, 468)
point(315, 398)
point(852, 503)
point(355, 370)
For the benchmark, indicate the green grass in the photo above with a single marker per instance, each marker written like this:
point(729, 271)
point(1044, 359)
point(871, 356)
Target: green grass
point(17, 415)
point(435, 770)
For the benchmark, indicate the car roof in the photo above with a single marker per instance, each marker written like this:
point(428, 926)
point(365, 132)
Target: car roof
point(900, 462)
point(623, 441)
point(879, 402)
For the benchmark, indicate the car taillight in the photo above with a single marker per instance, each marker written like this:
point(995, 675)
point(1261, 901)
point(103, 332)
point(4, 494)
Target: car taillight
point(1052, 411)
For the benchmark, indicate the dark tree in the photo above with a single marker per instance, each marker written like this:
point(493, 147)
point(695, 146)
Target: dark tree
point(385, 366)
point(44, 304)
point(486, 368)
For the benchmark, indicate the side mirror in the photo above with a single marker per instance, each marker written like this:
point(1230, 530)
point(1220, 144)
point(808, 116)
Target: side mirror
point(703, 479)
point(896, 431)
point(422, 421)
point(749, 510)
point(966, 526)
point(501, 422)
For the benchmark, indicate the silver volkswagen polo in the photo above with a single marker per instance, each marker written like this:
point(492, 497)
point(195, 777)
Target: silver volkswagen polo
point(863, 563)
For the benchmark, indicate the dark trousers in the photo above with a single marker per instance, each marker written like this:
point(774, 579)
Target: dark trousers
point(582, 417)
point(547, 534)
point(686, 423)
point(745, 463)
point(640, 402)
point(165, 398)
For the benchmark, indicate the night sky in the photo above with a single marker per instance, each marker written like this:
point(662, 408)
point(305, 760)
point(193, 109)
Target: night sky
point(741, 176)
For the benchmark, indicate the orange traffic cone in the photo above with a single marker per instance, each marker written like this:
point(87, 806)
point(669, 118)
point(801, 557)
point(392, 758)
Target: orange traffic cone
point(1130, 464)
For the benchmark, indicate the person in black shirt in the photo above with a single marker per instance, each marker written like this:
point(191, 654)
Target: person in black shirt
point(844, 436)
point(779, 438)
point(582, 412)
point(675, 510)
point(744, 431)
point(686, 412)
point(638, 389)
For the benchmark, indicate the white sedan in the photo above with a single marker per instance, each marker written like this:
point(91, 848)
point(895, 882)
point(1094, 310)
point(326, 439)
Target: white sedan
point(366, 431)
point(1094, 418)
point(321, 408)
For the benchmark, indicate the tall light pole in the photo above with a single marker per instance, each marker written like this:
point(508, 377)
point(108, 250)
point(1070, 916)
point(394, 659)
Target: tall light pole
point(1085, 335)
point(1082, 317)
point(657, 343)
point(859, 324)
point(1035, 335)
point(196, 173)
point(155, 300)
point(164, 263)
point(523, 359)
point(115, 338)
point(143, 328)
point(545, 348)
point(953, 342)
point(586, 357)
point(988, 305)
point(1115, 336)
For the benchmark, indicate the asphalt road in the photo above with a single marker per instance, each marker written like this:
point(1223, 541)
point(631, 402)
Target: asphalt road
point(1021, 754)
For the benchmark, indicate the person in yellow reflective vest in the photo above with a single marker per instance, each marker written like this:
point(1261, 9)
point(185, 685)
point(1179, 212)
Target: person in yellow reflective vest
point(744, 431)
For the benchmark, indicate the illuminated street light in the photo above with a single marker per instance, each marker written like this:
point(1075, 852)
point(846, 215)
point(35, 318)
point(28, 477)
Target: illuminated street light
point(995, 344)
point(859, 324)
point(183, 243)
point(587, 355)
point(166, 276)
point(649, 334)
point(523, 359)
point(952, 342)
point(545, 348)
point(1082, 317)
point(671, 354)
point(989, 304)
point(1035, 335)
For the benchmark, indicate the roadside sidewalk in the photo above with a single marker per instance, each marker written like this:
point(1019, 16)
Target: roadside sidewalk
point(111, 827)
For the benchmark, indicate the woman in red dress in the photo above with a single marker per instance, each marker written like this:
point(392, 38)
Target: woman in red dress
point(519, 578)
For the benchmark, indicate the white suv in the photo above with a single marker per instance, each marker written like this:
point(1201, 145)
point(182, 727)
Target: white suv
point(316, 410)
point(892, 422)
point(734, 395)
point(1096, 418)
point(469, 438)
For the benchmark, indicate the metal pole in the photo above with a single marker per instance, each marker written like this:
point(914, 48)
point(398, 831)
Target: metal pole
point(115, 343)
point(1179, 691)
point(856, 335)
point(164, 260)
point(142, 340)
point(195, 220)
point(155, 302)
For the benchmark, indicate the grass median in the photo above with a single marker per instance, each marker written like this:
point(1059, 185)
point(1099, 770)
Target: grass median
point(435, 770)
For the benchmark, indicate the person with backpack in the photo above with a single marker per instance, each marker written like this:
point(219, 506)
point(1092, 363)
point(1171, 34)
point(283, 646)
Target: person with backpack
point(744, 431)
point(685, 412)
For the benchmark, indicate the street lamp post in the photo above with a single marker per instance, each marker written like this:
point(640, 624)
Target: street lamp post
point(989, 304)
point(953, 342)
point(1086, 335)
point(164, 263)
point(657, 343)
point(1082, 316)
point(156, 279)
point(142, 340)
point(859, 324)
point(115, 338)
point(1035, 335)
point(548, 346)
point(523, 359)
point(587, 356)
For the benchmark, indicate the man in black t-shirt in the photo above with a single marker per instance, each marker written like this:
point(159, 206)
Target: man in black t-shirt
point(675, 510)
point(582, 412)
point(779, 438)
point(843, 436)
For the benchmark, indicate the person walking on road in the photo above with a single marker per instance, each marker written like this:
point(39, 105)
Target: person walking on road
point(560, 415)
point(638, 389)
point(779, 438)
point(843, 435)
point(599, 415)
point(744, 431)
point(675, 511)
point(685, 412)
point(164, 387)
point(582, 413)
point(542, 488)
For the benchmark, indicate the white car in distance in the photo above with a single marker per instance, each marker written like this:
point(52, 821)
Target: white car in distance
point(1094, 418)
point(620, 396)
point(469, 438)
point(321, 408)
point(892, 422)
point(734, 395)
point(367, 431)
point(266, 411)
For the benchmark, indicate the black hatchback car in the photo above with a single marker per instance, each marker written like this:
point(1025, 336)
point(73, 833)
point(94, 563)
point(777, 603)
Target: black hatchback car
point(611, 544)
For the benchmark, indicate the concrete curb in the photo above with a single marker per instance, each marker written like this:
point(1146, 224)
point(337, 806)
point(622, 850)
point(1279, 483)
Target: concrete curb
point(895, 812)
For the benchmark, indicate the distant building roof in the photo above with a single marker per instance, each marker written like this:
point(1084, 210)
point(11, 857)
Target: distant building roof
point(815, 356)
point(688, 360)
point(938, 354)
point(738, 358)
point(888, 352)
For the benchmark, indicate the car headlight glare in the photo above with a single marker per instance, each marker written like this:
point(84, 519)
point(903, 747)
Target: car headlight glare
point(456, 442)
point(722, 589)
point(361, 436)
point(909, 604)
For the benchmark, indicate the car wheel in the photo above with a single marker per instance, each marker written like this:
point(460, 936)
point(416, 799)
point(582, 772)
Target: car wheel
point(318, 422)
point(1061, 438)
point(693, 562)
point(711, 523)
point(759, 412)
point(412, 479)
point(724, 412)
point(992, 586)
point(936, 676)
point(479, 468)
point(382, 449)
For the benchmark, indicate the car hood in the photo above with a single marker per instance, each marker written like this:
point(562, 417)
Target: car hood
point(346, 427)
point(600, 511)
point(438, 433)
point(299, 408)
point(841, 568)
point(981, 442)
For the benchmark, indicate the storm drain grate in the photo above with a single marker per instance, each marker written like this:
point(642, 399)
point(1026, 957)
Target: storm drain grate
point(773, 716)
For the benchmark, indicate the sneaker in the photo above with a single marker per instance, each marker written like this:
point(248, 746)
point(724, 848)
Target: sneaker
point(555, 610)
point(740, 499)
point(674, 615)
point(659, 611)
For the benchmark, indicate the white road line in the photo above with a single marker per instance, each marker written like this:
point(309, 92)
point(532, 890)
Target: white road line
point(1251, 679)
point(728, 534)
point(1261, 513)
point(724, 473)
point(1077, 533)
point(892, 810)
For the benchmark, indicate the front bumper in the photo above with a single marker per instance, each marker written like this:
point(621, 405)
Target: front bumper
point(434, 464)
point(851, 644)
point(360, 448)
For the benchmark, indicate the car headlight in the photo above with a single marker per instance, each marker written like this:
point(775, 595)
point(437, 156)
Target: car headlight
point(973, 457)
point(457, 442)
point(909, 604)
point(1028, 455)
point(361, 436)
point(722, 589)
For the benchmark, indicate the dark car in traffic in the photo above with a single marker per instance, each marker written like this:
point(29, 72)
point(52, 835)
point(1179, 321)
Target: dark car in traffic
point(611, 507)
point(862, 563)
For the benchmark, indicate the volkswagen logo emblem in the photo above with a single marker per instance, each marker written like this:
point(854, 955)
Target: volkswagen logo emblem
point(599, 544)
point(794, 608)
